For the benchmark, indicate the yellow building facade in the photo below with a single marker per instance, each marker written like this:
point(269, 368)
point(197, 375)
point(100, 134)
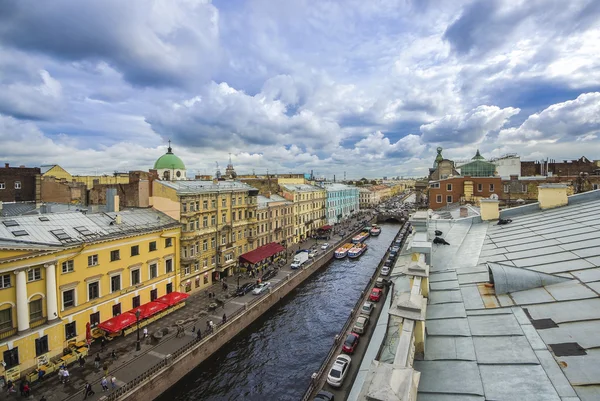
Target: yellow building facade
point(218, 220)
point(59, 173)
point(309, 208)
point(275, 221)
point(61, 271)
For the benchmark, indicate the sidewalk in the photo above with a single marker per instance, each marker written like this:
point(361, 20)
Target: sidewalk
point(129, 363)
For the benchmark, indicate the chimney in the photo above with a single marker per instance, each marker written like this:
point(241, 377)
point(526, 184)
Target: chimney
point(116, 203)
point(6, 165)
point(489, 209)
point(118, 219)
point(268, 194)
point(552, 195)
point(110, 199)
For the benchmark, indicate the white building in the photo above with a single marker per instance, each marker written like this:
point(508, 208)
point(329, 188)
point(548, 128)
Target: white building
point(508, 165)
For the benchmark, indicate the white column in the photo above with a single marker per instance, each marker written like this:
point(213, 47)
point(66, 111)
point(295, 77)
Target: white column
point(22, 304)
point(51, 298)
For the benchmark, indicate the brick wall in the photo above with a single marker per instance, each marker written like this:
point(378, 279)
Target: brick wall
point(62, 191)
point(454, 188)
point(20, 184)
point(134, 194)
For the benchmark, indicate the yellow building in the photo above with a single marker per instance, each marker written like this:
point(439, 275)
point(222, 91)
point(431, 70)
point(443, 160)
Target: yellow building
point(54, 170)
point(275, 220)
point(218, 220)
point(309, 208)
point(60, 271)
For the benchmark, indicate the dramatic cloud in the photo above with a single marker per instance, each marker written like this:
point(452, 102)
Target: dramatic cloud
point(335, 86)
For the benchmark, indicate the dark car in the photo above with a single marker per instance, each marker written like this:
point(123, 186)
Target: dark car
point(269, 274)
point(244, 289)
point(389, 263)
point(350, 343)
point(323, 396)
point(393, 254)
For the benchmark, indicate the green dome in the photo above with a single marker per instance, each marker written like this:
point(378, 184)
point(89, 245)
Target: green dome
point(169, 161)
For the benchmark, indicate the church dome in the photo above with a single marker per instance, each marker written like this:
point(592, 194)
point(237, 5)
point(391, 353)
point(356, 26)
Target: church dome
point(169, 161)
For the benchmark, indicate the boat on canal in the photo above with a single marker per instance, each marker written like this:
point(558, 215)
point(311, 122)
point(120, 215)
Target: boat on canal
point(375, 230)
point(357, 239)
point(357, 250)
point(342, 251)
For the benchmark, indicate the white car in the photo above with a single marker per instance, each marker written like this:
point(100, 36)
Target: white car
point(313, 253)
point(325, 246)
point(367, 308)
point(361, 324)
point(339, 370)
point(262, 287)
point(385, 270)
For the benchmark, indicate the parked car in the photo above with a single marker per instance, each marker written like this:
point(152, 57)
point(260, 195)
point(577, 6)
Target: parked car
point(325, 246)
point(269, 274)
point(313, 253)
point(339, 370)
point(385, 270)
point(367, 308)
point(350, 344)
point(244, 289)
point(260, 288)
point(375, 295)
point(389, 262)
point(361, 324)
point(323, 396)
point(380, 282)
point(393, 254)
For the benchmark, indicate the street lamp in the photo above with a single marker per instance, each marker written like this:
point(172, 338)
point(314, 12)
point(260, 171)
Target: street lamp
point(239, 275)
point(138, 346)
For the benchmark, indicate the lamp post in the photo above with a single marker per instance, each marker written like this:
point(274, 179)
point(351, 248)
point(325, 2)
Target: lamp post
point(138, 346)
point(239, 275)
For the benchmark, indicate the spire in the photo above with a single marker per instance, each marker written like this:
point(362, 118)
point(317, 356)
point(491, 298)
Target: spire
point(478, 156)
point(439, 157)
point(169, 150)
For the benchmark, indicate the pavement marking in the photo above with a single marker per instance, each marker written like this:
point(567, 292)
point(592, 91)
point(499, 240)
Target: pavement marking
point(157, 354)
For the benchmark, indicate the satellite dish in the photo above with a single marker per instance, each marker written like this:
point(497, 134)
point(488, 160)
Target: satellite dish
point(494, 196)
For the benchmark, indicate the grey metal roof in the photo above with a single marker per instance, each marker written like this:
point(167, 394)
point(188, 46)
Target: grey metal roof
point(16, 209)
point(63, 229)
point(263, 201)
point(189, 187)
point(301, 188)
point(540, 343)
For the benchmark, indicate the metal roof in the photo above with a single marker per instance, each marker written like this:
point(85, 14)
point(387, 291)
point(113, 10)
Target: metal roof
point(263, 201)
point(540, 343)
point(69, 228)
point(302, 188)
point(198, 187)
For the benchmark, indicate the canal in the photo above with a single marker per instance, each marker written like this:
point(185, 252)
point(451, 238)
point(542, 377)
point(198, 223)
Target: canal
point(275, 356)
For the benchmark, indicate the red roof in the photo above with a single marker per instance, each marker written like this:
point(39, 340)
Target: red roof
point(325, 228)
point(149, 309)
point(262, 253)
point(172, 298)
point(118, 323)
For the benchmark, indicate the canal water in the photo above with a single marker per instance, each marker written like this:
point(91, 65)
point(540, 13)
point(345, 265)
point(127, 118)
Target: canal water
point(273, 358)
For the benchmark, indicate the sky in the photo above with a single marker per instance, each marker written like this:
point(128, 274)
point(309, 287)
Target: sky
point(362, 88)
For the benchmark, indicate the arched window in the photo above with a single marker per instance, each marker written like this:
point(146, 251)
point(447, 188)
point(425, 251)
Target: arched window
point(36, 311)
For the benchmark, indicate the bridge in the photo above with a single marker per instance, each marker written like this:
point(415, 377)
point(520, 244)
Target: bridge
point(392, 215)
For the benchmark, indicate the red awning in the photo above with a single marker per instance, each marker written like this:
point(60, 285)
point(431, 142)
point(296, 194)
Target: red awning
point(172, 298)
point(118, 323)
point(149, 309)
point(325, 228)
point(261, 253)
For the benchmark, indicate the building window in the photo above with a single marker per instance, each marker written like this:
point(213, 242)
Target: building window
point(153, 270)
point(35, 310)
point(169, 288)
point(71, 330)
point(17, 184)
point(135, 302)
point(34, 274)
point(212, 260)
point(135, 250)
point(213, 220)
point(448, 187)
point(506, 189)
point(524, 187)
point(93, 290)
point(479, 187)
point(491, 187)
point(213, 243)
point(228, 257)
point(68, 266)
point(205, 204)
point(153, 294)
point(168, 242)
point(93, 260)
point(186, 270)
point(115, 255)
point(213, 203)
point(6, 319)
point(205, 263)
point(448, 198)
point(135, 277)
point(438, 198)
point(11, 358)
point(68, 299)
point(116, 309)
point(115, 283)
point(94, 319)
point(184, 207)
point(223, 202)
point(205, 245)
point(41, 345)
point(224, 218)
point(169, 266)
point(197, 267)
point(205, 221)
point(152, 246)
point(2, 186)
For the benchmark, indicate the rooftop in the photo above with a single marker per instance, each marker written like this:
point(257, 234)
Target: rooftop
point(301, 188)
point(197, 186)
point(534, 335)
point(338, 187)
point(263, 201)
point(71, 228)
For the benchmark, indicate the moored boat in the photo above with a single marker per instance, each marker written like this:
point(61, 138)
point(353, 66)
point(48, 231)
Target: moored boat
point(357, 239)
point(375, 230)
point(342, 251)
point(357, 250)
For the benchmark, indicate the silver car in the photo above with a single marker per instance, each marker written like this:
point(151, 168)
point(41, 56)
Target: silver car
point(367, 308)
point(339, 370)
point(361, 324)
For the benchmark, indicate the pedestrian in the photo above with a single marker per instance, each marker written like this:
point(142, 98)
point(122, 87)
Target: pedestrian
point(113, 355)
point(224, 286)
point(102, 344)
point(81, 361)
point(87, 390)
point(26, 389)
point(199, 334)
point(113, 382)
point(22, 387)
point(43, 398)
point(105, 368)
point(60, 374)
point(224, 318)
point(10, 387)
point(97, 360)
point(66, 375)
point(104, 384)
point(194, 328)
point(209, 295)
point(41, 373)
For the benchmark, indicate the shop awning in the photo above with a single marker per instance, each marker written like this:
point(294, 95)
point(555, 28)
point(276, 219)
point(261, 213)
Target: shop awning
point(118, 323)
point(149, 309)
point(261, 253)
point(325, 228)
point(172, 298)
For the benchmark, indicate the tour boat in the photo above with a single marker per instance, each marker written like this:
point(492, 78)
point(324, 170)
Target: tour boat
point(357, 250)
point(342, 251)
point(357, 239)
point(375, 230)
